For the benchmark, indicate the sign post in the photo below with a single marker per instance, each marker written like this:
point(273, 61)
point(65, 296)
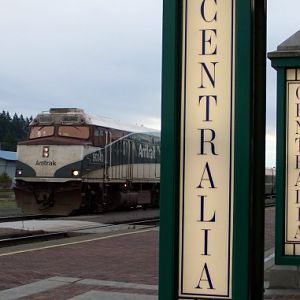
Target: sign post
point(286, 60)
point(213, 125)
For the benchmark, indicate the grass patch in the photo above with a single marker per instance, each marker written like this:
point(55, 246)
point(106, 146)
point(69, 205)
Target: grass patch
point(7, 199)
point(7, 204)
point(6, 193)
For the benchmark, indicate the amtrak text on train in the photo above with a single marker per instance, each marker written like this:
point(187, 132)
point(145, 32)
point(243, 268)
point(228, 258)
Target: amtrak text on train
point(45, 163)
point(146, 151)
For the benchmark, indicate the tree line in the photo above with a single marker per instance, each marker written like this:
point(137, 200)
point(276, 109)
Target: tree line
point(12, 130)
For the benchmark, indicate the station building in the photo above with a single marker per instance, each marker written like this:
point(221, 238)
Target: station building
point(8, 162)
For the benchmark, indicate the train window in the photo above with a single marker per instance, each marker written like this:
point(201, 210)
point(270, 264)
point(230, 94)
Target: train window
point(116, 135)
point(99, 137)
point(79, 132)
point(41, 131)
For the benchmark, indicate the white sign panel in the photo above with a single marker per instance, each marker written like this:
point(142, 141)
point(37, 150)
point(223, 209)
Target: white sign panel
point(292, 201)
point(207, 122)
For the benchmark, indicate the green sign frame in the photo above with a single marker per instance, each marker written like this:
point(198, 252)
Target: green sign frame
point(282, 64)
point(249, 158)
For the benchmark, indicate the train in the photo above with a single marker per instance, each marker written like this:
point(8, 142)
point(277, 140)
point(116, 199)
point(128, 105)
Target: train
point(73, 162)
point(270, 182)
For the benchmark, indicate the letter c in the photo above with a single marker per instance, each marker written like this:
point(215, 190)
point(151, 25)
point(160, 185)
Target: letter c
point(297, 92)
point(203, 12)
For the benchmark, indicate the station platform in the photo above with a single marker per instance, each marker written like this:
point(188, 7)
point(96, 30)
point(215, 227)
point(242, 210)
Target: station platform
point(77, 226)
point(117, 264)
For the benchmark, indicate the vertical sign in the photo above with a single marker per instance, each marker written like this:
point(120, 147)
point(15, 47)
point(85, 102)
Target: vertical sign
point(292, 201)
point(206, 169)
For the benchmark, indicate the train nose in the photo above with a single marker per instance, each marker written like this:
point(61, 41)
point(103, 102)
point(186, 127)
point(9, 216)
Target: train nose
point(44, 198)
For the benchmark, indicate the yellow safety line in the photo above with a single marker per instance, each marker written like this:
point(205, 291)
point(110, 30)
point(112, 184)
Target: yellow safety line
point(78, 242)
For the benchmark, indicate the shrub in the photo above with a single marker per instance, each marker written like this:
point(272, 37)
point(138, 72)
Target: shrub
point(5, 180)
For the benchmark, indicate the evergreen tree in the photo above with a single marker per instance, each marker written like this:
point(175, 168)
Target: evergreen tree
point(12, 130)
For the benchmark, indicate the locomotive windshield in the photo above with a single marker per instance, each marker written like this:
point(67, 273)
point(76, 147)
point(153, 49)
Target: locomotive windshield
point(41, 131)
point(79, 132)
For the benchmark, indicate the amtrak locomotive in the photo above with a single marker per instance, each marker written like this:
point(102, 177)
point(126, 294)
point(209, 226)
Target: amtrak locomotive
point(73, 162)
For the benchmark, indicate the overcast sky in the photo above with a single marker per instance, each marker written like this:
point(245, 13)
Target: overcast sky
point(103, 56)
point(283, 21)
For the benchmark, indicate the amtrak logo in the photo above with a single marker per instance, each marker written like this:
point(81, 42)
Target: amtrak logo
point(45, 163)
point(146, 151)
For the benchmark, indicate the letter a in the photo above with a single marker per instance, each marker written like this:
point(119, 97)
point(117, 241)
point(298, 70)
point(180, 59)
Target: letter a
point(209, 178)
point(206, 278)
point(298, 180)
point(297, 232)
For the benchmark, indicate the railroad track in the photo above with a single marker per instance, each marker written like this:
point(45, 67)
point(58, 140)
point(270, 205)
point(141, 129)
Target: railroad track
point(270, 201)
point(31, 238)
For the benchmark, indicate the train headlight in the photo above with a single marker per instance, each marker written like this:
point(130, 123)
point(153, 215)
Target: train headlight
point(19, 172)
point(46, 151)
point(75, 173)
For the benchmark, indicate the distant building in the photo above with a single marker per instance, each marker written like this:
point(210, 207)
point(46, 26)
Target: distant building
point(8, 163)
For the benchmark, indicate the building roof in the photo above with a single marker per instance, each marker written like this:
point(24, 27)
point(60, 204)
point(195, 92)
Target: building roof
point(289, 48)
point(291, 44)
point(8, 155)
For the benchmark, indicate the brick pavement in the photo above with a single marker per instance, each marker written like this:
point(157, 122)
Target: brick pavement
point(269, 228)
point(125, 259)
point(279, 294)
point(282, 295)
point(60, 288)
point(131, 258)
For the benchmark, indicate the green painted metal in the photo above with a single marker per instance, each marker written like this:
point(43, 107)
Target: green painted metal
point(249, 120)
point(281, 61)
point(289, 62)
point(242, 156)
point(171, 69)
point(258, 133)
point(281, 65)
point(280, 165)
point(249, 150)
point(280, 162)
